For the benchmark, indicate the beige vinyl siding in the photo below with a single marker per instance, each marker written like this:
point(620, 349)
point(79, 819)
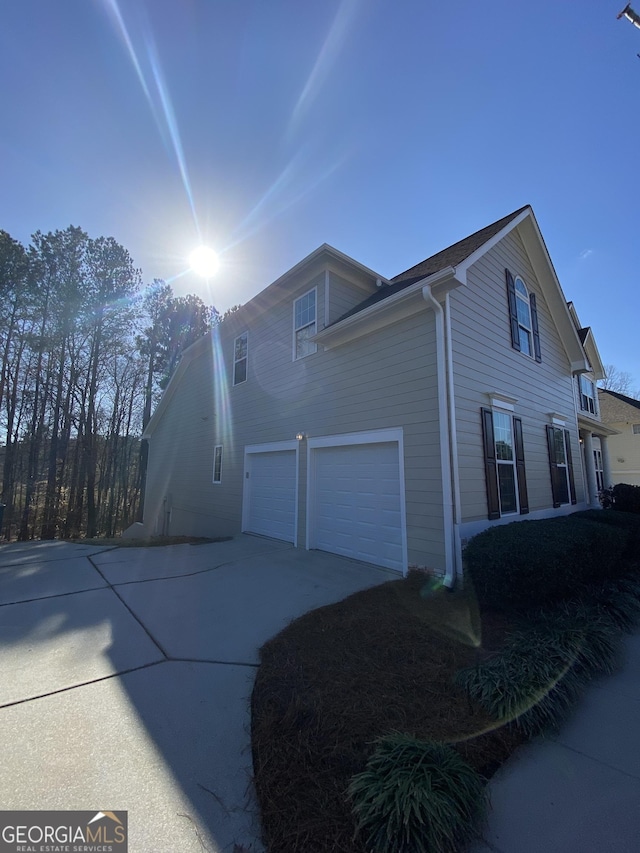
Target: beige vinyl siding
point(344, 295)
point(181, 458)
point(385, 380)
point(624, 452)
point(485, 362)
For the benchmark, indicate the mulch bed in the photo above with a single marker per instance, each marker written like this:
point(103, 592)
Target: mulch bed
point(341, 676)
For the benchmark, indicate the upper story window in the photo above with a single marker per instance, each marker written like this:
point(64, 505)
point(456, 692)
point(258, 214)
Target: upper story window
point(523, 311)
point(240, 357)
point(304, 325)
point(636, 429)
point(587, 395)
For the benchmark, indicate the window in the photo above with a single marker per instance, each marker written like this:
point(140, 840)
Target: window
point(240, 351)
point(597, 459)
point(636, 429)
point(217, 464)
point(587, 394)
point(304, 325)
point(504, 464)
point(561, 466)
point(523, 311)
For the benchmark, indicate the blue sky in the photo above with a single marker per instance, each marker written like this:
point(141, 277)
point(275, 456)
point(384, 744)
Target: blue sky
point(387, 129)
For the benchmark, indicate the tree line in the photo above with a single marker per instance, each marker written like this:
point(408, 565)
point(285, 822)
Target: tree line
point(85, 351)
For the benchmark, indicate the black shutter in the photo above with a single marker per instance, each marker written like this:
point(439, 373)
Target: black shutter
point(513, 310)
point(520, 469)
point(534, 324)
point(490, 465)
point(556, 485)
point(572, 482)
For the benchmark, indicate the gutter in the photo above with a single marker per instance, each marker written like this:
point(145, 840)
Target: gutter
point(384, 304)
point(444, 420)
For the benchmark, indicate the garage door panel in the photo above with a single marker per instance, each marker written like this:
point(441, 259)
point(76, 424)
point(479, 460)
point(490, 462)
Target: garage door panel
point(358, 510)
point(272, 494)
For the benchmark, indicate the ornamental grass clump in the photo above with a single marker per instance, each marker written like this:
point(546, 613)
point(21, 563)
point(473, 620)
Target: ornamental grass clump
point(416, 797)
point(537, 677)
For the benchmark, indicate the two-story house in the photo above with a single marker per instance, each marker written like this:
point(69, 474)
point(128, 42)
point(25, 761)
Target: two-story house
point(383, 420)
point(622, 414)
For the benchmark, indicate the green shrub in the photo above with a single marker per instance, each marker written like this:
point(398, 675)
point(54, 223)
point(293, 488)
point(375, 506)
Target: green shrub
point(536, 678)
point(626, 521)
point(416, 797)
point(526, 564)
point(622, 497)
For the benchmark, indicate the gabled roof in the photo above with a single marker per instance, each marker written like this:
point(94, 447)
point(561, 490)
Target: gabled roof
point(455, 254)
point(452, 256)
point(622, 397)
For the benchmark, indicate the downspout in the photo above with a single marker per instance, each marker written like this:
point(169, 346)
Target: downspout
point(453, 435)
point(445, 437)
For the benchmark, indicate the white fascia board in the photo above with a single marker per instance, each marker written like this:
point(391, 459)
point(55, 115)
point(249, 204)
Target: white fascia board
point(552, 291)
point(329, 253)
point(402, 304)
point(463, 266)
point(185, 360)
point(597, 367)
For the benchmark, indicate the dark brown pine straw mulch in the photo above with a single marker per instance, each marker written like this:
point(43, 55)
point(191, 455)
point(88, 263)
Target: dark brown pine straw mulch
point(341, 676)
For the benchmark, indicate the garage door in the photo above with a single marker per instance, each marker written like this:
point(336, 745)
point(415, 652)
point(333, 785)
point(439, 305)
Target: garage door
point(358, 508)
point(270, 494)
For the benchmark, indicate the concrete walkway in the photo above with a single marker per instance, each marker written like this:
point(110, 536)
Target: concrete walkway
point(578, 792)
point(125, 678)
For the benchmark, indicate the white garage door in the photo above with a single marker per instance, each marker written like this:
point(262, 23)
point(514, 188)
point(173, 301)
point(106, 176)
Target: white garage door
point(271, 494)
point(357, 507)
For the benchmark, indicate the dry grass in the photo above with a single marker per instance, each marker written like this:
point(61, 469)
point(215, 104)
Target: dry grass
point(339, 677)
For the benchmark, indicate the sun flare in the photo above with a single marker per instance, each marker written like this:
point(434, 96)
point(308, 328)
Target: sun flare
point(204, 261)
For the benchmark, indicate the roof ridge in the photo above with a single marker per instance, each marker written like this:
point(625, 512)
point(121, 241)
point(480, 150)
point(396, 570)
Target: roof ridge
point(460, 249)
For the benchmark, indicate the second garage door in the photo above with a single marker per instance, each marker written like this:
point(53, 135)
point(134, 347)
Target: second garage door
point(357, 504)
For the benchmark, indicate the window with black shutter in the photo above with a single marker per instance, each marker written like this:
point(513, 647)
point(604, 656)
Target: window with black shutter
point(523, 315)
point(563, 487)
point(504, 464)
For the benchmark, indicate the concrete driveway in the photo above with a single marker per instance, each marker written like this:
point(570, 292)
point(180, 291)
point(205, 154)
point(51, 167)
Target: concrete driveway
point(125, 676)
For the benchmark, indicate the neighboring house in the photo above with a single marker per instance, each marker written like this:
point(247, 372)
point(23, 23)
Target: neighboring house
point(384, 420)
point(622, 413)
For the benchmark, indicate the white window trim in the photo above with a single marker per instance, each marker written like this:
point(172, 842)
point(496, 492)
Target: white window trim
point(237, 361)
point(218, 447)
point(529, 329)
point(502, 408)
point(313, 290)
point(635, 429)
point(588, 397)
point(564, 465)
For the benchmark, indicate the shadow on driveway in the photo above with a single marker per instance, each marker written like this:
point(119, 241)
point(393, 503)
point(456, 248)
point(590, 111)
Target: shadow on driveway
point(126, 675)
